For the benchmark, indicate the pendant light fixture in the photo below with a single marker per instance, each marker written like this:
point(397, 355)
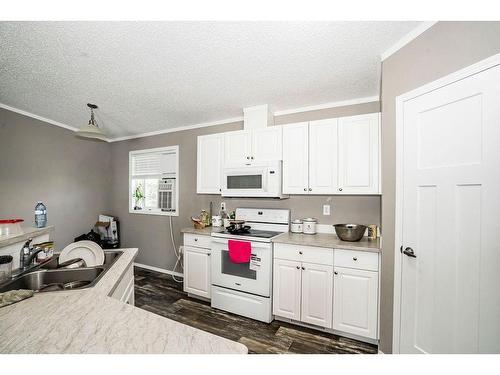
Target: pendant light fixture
point(91, 130)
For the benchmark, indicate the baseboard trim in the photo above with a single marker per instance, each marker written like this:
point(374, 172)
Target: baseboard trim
point(157, 269)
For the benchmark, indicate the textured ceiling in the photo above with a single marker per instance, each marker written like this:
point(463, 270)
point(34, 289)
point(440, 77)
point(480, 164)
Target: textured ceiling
point(148, 76)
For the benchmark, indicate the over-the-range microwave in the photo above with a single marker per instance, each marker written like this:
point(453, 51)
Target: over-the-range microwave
point(256, 179)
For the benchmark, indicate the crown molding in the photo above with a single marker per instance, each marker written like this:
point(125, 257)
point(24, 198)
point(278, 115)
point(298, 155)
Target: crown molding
point(178, 129)
point(407, 38)
point(342, 103)
point(32, 115)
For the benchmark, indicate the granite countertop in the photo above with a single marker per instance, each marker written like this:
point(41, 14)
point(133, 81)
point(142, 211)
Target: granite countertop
point(207, 231)
point(27, 232)
point(328, 240)
point(89, 321)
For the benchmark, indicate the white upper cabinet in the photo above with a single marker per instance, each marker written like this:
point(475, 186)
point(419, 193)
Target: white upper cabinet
point(237, 147)
point(323, 156)
point(267, 144)
point(317, 294)
point(359, 154)
point(355, 296)
point(209, 163)
point(296, 158)
point(245, 146)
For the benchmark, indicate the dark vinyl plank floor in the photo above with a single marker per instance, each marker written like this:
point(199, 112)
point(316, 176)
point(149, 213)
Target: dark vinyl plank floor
point(159, 294)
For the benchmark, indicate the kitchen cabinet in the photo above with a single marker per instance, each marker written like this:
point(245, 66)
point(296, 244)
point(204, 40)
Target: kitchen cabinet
point(302, 291)
point(287, 288)
point(323, 156)
point(210, 153)
point(359, 154)
point(197, 265)
point(296, 158)
point(355, 307)
point(332, 156)
point(245, 146)
point(317, 288)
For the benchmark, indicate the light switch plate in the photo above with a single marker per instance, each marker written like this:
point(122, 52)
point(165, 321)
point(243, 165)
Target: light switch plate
point(326, 209)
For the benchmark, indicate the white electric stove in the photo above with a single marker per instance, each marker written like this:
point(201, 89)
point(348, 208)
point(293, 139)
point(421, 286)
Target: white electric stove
point(246, 288)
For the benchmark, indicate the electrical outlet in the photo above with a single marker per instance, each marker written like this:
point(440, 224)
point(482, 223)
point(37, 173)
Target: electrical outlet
point(326, 209)
point(223, 206)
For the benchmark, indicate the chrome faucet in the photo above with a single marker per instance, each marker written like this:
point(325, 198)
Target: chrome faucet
point(28, 254)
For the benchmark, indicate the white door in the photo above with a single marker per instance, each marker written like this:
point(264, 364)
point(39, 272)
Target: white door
point(209, 164)
point(237, 147)
point(359, 154)
point(450, 269)
point(267, 144)
point(355, 296)
point(286, 289)
point(296, 158)
point(197, 271)
point(323, 156)
point(317, 287)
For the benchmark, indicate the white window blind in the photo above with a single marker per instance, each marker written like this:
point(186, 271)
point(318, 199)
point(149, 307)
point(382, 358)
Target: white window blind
point(146, 164)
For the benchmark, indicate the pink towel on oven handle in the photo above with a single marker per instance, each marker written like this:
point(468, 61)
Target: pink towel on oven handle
point(239, 251)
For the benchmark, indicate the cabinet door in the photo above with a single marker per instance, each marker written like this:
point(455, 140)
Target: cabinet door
point(286, 289)
point(296, 158)
point(355, 307)
point(359, 159)
point(267, 143)
point(323, 157)
point(317, 299)
point(197, 271)
point(209, 164)
point(237, 147)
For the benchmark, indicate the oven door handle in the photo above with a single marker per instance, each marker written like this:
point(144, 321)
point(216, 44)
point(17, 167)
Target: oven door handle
point(255, 245)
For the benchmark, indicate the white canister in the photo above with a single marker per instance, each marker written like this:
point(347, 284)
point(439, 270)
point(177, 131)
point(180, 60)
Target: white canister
point(216, 221)
point(296, 226)
point(309, 226)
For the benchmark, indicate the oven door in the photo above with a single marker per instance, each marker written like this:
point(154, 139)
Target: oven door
point(245, 181)
point(247, 277)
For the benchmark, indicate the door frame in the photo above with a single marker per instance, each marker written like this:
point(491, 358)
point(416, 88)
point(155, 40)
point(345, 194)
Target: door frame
point(461, 74)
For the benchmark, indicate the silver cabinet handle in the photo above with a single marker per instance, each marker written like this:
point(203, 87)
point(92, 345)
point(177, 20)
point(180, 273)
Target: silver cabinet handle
point(354, 258)
point(248, 157)
point(251, 157)
point(340, 189)
point(208, 254)
point(298, 267)
point(310, 189)
point(300, 252)
point(303, 268)
point(195, 240)
point(335, 273)
point(305, 189)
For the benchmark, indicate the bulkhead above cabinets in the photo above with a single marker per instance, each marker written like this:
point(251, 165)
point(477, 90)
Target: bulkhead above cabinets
point(324, 157)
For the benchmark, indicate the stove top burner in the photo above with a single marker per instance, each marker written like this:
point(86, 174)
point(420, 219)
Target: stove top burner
point(247, 232)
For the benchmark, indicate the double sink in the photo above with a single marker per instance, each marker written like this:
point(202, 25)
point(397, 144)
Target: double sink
point(47, 277)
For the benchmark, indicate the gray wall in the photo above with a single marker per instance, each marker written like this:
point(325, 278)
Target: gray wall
point(443, 49)
point(39, 161)
point(151, 233)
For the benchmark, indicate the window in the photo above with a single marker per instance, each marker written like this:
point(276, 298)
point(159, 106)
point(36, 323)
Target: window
point(153, 181)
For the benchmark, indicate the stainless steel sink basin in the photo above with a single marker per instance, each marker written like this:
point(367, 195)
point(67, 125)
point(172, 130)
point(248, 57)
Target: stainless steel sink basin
point(49, 278)
point(53, 280)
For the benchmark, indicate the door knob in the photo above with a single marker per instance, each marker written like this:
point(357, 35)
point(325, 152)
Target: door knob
point(409, 252)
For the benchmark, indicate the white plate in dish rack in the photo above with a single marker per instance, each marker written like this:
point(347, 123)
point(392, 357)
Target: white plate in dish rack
point(89, 251)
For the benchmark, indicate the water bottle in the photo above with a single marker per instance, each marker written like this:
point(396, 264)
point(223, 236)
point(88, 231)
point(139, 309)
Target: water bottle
point(40, 215)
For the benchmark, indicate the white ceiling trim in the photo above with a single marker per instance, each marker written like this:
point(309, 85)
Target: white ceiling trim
point(407, 38)
point(32, 115)
point(342, 103)
point(178, 129)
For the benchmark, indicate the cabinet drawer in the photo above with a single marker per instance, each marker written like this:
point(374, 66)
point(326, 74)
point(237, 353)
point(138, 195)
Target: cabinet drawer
point(356, 259)
point(197, 241)
point(309, 254)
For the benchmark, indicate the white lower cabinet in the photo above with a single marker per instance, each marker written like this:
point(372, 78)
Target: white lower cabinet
point(197, 279)
point(355, 307)
point(332, 289)
point(317, 287)
point(286, 288)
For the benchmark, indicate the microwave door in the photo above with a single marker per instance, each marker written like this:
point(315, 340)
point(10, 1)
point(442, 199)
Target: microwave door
point(247, 182)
